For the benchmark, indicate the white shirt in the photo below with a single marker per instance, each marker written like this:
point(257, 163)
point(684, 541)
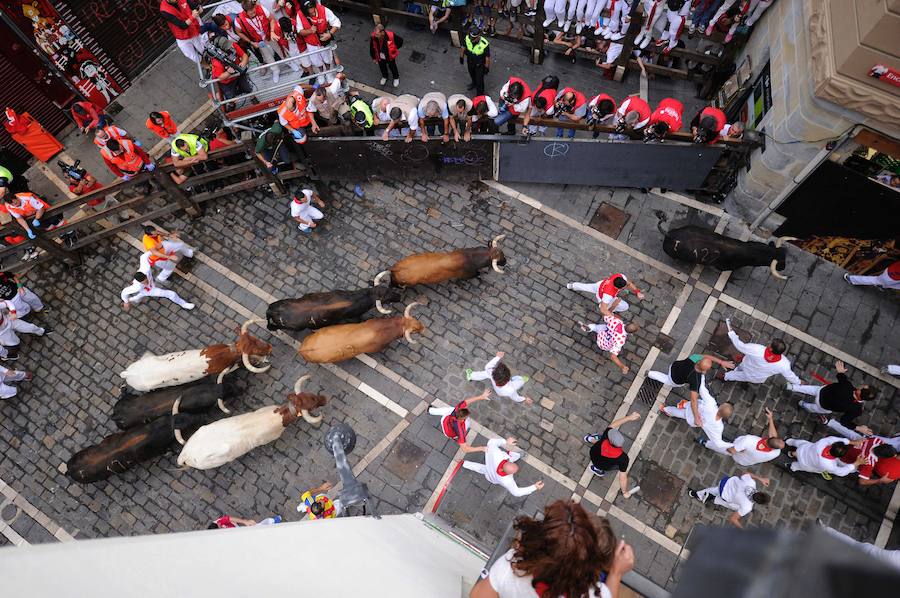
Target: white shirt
point(492, 459)
point(270, 6)
point(491, 111)
point(747, 454)
point(507, 390)
point(138, 288)
point(409, 104)
point(297, 208)
point(810, 455)
point(755, 367)
point(737, 493)
point(510, 584)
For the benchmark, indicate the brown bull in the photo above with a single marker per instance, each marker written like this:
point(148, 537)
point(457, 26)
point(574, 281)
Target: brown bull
point(432, 268)
point(345, 341)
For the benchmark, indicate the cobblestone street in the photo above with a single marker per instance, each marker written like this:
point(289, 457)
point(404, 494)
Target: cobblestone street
point(251, 254)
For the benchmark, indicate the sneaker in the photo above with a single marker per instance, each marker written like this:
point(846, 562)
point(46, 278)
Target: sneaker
point(396, 82)
point(709, 30)
point(560, 22)
point(188, 306)
point(847, 277)
point(597, 472)
point(616, 36)
point(694, 494)
point(566, 26)
point(645, 43)
point(46, 330)
point(276, 519)
point(598, 30)
point(591, 438)
point(570, 285)
point(526, 378)
point(578, 28)
point(823, 419)
point(469, 372)
point(276, 75)
point(826, 475)
point(530, 12)
point(304, 229)
point(729, 37)
point(661, 42)
point(383, 81)
point(692, 29)
point(547, 22)
point(788, 386)
point(701, 441)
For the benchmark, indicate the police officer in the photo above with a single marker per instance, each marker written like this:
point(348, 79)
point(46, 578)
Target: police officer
point(6, 179)
point(187, 150)
point(362, 115)
point(478, 58)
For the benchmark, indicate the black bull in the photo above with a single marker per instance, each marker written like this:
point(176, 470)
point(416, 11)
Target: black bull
point(702, 246)
point(316, 310)
point(133, 409)
point(123, 450)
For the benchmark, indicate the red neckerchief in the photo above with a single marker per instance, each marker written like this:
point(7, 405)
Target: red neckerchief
point(500, 471)
point(610, 451)
point(771, 357)
point(827, 453)
point(762, 447)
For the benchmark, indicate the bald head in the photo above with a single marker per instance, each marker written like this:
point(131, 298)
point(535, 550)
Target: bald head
point(510, 468)
point(703, 365)
point(726, 410)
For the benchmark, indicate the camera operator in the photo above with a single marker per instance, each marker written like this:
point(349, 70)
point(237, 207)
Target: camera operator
point(81, 182)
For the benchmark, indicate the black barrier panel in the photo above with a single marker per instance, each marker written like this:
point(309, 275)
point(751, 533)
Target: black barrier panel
point(359, 158)
point(672, 165)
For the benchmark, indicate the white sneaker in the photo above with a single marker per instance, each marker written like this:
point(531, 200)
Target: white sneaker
point(569, 286)
point(276, 75)
point(188, 306)
point(616, 36)
point(566, 26)
point(383, 81)
point(598, 30)
point(578, 28)
point(548, 21)
point(645, 43)
point(559, 22)
point(396, 82)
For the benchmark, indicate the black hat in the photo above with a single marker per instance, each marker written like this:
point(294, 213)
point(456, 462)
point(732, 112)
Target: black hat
point(360, 117)
point(475, 31)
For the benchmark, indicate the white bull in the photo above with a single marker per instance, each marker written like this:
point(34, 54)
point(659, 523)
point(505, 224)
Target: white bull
point(158, 371)
point(227, 439)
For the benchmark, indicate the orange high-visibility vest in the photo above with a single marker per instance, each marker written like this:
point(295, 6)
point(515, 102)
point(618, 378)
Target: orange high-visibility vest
point(167, 129)
point(298, 117)
point(129, 161)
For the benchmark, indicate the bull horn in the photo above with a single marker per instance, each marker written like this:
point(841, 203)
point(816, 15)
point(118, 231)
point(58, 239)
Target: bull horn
point(222, 407)
point(178, 435)
point(224, 373)
point(781, 240)
point(252, 368)
point(496, 267)
point(246, 324)
point(409, 338)
point(380, 276)
point(497, 239)
point(312, 419)
point(409, 307)
point(381, 308)
point(775, 272)
point(299, 383)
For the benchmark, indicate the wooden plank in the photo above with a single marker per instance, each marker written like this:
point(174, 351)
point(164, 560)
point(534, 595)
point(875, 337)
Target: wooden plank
point(106, 232)
point(221, 173)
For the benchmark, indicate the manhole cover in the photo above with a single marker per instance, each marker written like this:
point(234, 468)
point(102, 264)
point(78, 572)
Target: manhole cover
point(721, 344)
point(659, 487)
point(664, 342)
point(9, 513)
point(609, 220)
point(417, 57)
point(404, 459)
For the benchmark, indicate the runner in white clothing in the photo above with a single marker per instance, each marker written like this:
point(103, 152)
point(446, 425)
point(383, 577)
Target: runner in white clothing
point(889, 557)
point(504, 383)
point(752, 450)
point(143, 286)
point(823, 456)
point(303, 211)
point(712, 419)
point(7, 391)
point(759, 361)
point(499, 466)
point(862, 432)
point(737, 493)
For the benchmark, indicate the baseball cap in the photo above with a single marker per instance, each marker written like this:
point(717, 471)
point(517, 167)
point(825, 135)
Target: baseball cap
point(615, 438)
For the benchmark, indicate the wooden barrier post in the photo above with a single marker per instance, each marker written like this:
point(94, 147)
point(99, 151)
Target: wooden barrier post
point(537, 43)
point(273, 179)
point(73, 258)
point(376, 11)
point(189, 205)
point(634, 27)
point(456, 33)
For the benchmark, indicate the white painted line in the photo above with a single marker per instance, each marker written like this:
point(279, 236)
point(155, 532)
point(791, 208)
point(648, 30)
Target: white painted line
point(646, 531)
point(12, 535)
point(571, 222)
point(382, 400)
point(29, 509)
point(890, 517)
point(689, 202)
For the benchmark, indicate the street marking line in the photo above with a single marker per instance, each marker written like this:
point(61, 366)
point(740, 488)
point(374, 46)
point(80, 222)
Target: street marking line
point(807, 338)
point(12, 535)
point(691, 203)
point(379, 448)
point(618, 245)
point(890, 517)
point(647, 531)
point(39, 516)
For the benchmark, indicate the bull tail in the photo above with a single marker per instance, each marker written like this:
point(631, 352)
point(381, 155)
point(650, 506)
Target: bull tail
point(661, 217)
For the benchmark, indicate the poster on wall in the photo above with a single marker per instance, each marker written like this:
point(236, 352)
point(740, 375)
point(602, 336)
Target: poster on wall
point(39, 20)
point(759, 100)
point(883, 72)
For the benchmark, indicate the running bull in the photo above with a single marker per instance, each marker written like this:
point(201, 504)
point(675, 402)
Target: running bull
point(134, 409)
point(345, 341)
point(702, 246)
point(158, 371)
point(123, 450)
point(315, 310)
point(227, 439)
point(432, 268)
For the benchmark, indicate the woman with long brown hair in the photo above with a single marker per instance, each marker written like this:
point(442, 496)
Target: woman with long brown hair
point(564, 555)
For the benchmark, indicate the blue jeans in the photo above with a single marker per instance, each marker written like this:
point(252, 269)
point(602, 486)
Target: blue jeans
point(704, 12)
point(505, 117)
point(559, 132)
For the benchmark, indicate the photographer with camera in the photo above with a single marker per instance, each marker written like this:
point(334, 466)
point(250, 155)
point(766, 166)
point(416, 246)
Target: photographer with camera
point(632, 116)
point(81, 182)
point(571, 105)
point(228, 65)
point(601, 110)
point(664, 120)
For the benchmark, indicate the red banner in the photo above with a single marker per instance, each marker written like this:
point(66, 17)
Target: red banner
point(883, 72)
point(39, 20)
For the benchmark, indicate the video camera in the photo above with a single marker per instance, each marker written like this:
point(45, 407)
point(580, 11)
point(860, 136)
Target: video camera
point(71, 170)
point(228, 57)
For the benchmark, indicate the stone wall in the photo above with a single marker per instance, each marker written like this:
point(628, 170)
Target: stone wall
point(783, 37)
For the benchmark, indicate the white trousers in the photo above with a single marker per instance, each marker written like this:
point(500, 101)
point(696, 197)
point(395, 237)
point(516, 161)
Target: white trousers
point(26, 301)
point(714, 492)
point(813, 391)
point(882, 280)
point(20, 325)
point(676, 24)
point(757, 8)
point(594, 9)
point(158, 292)
point(7, 391)
point(665, 378)
point(893, 370)
point(576, 7)
point(166, 268)
point(890, 557)
point(727, 4)
point(8, 336)
point(593, 288)
point(653, 12)
point(555, 9)
point(308, 213)
point(798, 465)
point(620, 10)
point(192, 48)
point(444, 412)
point(482, 468)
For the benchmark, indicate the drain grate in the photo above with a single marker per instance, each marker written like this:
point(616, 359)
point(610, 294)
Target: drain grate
point(660, 487)
point(609, 220)
point(404, 459)
point(417, 57)
point(648, 391)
